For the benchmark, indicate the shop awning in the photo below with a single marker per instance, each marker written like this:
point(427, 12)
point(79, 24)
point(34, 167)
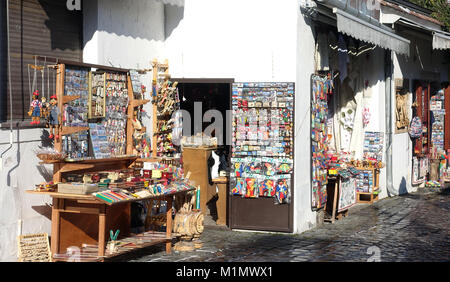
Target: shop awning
point(441, 40)
point(381, 35)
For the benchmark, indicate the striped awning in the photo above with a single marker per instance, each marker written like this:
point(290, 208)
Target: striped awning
point(378, 35)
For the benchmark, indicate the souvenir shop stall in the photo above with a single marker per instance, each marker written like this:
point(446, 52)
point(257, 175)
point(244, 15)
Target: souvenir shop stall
point(261, 176)
point(427, 130)
point(106, 165)
point(346, 157)
point(204, 154)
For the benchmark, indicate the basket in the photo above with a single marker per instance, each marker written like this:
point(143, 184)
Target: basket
point(51, 157)
point(34, 248)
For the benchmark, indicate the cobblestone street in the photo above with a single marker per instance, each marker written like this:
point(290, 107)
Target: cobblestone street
point(409, 228)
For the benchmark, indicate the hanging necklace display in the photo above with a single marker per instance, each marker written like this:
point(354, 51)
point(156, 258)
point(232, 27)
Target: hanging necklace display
point(115, 120)
point(262, 140)
point(97, 95)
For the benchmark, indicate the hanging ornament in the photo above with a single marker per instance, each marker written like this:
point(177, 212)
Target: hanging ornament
point(366, 116)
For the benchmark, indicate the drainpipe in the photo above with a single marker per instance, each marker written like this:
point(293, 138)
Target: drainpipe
point(388, 59)
point(10, 86)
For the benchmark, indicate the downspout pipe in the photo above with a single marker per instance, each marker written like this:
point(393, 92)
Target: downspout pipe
point(388, 68)
point(9, 83)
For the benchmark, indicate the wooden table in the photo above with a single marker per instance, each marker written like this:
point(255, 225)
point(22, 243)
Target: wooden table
point(84, 220)
point(222, 202)
point(61, 167)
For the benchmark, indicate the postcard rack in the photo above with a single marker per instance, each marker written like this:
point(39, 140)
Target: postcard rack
point(64, 99)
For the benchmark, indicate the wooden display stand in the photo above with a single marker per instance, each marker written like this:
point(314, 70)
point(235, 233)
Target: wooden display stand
point(161, 77)
point(62, 100)
point(82, 221)
point(369, 198)
point(195, 161)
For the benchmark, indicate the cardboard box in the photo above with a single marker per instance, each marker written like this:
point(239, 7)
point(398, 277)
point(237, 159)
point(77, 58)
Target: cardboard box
point(77, 188)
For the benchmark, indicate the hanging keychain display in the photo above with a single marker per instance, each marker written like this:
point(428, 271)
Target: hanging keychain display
point(322, 86)
point(262, 151)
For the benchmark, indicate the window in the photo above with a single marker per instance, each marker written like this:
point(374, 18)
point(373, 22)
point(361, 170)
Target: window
point(37, 27)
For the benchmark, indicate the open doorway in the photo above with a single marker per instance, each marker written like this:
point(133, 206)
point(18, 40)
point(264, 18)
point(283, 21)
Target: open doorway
point(213, 94)
point(210, 101)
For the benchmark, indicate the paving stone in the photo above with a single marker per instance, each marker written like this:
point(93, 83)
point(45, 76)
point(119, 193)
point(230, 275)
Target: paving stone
point(410, 228)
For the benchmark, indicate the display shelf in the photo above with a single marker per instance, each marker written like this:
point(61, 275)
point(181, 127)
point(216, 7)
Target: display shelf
point(138, 103)
point(161, 78)
point(68, 130)
point(369, 197)
point(68, 99)
point(157, 159)
point(154, 197)
point(62, 195)
point(133, 104)
point(366, 198)
point(92, 198)
point(72, 215)
point(89, 253)
point(92, 161)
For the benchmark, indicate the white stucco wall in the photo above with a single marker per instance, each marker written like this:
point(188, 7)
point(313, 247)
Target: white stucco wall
point(423, 63)
point(373, 73)
point(304, 218)
point(252, 41)
point(127, 34)
point(246, 40)
point(21, 213)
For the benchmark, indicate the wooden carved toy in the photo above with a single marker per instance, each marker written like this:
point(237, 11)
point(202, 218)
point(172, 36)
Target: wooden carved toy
point(35, 109)
point(45, 108)
point(54, 117)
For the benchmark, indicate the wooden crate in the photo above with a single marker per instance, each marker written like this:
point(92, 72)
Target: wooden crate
point(366, 198)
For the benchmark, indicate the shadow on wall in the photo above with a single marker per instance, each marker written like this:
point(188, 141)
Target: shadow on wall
point(146, 19)
point(3, 62)
point(424, 62)
point(63, 36)
point(46, 142)
point(173, 15)
point(8, 178)
point(402, 190)
point(45, 210)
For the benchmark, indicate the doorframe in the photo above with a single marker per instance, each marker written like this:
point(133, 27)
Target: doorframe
point(229, 81)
